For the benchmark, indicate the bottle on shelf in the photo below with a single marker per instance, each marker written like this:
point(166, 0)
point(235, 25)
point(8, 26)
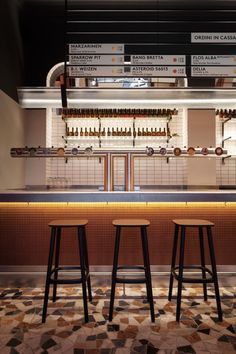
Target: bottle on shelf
point(81, 132)
point(86, 132)
point(108, 132)
point(103, 132)
point(73, 132)
point(76, 131)
point(221, 113)
point(139, 132)
point(168, 133)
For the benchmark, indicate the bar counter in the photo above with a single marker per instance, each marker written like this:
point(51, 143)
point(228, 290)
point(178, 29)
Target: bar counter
point(24, 218)
point(94, 196)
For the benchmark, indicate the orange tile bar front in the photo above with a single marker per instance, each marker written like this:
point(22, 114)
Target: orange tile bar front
point(25, 233)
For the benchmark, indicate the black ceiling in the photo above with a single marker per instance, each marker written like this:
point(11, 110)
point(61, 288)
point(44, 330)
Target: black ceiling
point(164, 26)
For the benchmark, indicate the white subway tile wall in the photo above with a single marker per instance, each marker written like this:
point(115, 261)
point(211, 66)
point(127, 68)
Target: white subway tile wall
point(83, 171)
point(148, 171)
point(153, 170)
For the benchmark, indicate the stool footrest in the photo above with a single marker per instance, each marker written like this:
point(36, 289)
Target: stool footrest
point(66, 268)
point(67, 281)
point(131, 281)
point(128, 280)
point(130, 267)
point(193, 280)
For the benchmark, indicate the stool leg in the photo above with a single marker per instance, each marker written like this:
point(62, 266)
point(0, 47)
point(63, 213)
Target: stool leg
point(58, 241)
point(202, 261)
point(147, 271)
point(173, 261)
point(87, 266)
point(47, 285)
point(83, 275)
point(180, 277)
point(214, 271)
point(145, 264)
point(114, 271)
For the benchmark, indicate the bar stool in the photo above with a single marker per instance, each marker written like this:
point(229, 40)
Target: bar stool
point(52, 273)
point(182, 224)
point(142, 224)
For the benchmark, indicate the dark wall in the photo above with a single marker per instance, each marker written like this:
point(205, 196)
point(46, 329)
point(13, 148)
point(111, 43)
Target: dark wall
point(43, 38)
point(11, 50)
point(32, 31)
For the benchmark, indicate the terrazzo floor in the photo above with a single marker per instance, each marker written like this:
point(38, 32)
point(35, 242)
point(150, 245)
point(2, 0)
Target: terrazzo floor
point(131, 331)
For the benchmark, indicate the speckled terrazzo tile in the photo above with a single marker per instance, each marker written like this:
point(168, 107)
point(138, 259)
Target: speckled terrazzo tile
point(198, 330)
point(122, 350)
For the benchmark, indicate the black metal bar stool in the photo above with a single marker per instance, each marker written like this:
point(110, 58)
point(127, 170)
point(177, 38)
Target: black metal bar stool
point(182, 224)
point(142, 224)
point(52, 272)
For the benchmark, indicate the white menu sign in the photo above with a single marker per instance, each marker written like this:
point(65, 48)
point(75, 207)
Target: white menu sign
point(213, 71)
point(96, 71)
point(156, 71)
point(94, 48)
point(213, 59)
point(96, 59)
point(157, 59)
point(209, 37)
point(131, 71)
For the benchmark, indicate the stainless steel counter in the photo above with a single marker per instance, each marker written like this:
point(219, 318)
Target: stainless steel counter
point(92, 196)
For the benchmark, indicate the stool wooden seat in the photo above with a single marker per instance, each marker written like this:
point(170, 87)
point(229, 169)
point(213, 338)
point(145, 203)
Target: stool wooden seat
point(131, 222)
point(142, 224)
point(193, 222)
point(177, 272)
point(52, 272)
point(68, 223)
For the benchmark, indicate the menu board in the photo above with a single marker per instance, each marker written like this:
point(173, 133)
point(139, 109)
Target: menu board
point(96, 59)
point(210, 37)
point(213, 60)
point(156, 71)
point(157, 59)
point(96, 71)
point(213, 71)
point(94, 48)
point(131, 71)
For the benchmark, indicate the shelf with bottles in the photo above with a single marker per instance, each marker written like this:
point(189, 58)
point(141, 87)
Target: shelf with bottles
point(73, 133)
point(117, 133)
point(72, 113)
point(226, 113)
point(161, 133)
